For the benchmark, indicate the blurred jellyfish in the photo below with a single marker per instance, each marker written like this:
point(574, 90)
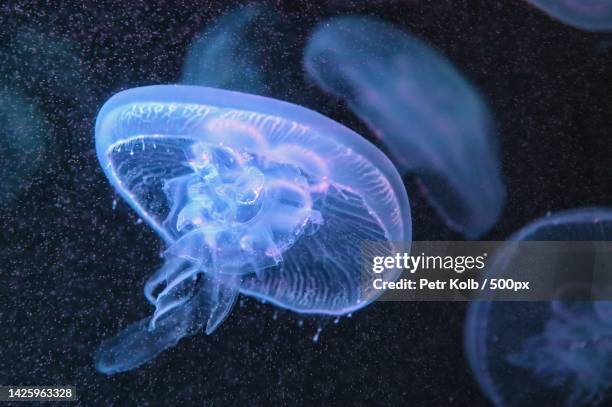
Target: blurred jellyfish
point(22, 142)
point(244, 50)
point(590, 15)
point(44, 64)
point(430, 119)
point(250, 195)
point(220, 58)
point(545, 353)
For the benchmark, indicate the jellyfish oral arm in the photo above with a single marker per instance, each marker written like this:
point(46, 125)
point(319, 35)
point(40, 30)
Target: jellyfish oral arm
point(208, 306)
point(183, 283)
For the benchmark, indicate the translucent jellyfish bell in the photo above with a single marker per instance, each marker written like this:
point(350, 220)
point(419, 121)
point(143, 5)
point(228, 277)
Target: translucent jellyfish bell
point(221, 56)
point(245, 50)
point(250, 195)
point(429, 117)
point(590, 15)
point(545, 353)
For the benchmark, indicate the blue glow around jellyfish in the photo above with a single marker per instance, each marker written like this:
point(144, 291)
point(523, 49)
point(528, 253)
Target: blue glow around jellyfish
point(429, 117)
point(545, 353)
point(250, 195)
point(22, 146)
point(590, 15)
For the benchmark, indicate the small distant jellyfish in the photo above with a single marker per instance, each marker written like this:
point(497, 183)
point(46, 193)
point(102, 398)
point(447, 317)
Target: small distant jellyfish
point(219, 58)
point(251, 195)
point(44, 63)
point(243, 50)
point(589, 15)
point(431, 120)
point(22, 146)
point(545, 353)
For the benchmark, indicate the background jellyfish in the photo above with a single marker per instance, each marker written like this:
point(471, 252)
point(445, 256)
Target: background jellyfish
point(244, 50)
point(429, 117)
point(42, 74)
point(43, 63)
point(222, 57)
point(250, 195)
point(549, 353)
point(22, 142)
point(591, 15)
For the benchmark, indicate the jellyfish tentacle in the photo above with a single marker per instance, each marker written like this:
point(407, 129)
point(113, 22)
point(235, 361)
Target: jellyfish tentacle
point(139, 344)
point(225, 292)
point(142, 341)
point(180, 287)
point(158, 279)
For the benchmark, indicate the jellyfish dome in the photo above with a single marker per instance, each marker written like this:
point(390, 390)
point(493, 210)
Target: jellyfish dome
point(545, 353)
point(250, 195)
point(589, 15)
point(430, 119)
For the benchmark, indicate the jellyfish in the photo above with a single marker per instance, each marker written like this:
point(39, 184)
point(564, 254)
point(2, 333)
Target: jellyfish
point(250, 195)
point(219, 58)
point(244, 51)
point(431, 120)
point(589, 15)
point(22, 145)
point(550, 353)
point(43, 63)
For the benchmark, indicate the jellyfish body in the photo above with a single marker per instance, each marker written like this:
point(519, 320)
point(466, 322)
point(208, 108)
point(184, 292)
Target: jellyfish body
point(590, 15)
point(250, 195)
point(429, 117)
point(551, 353)
point(23, 142)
